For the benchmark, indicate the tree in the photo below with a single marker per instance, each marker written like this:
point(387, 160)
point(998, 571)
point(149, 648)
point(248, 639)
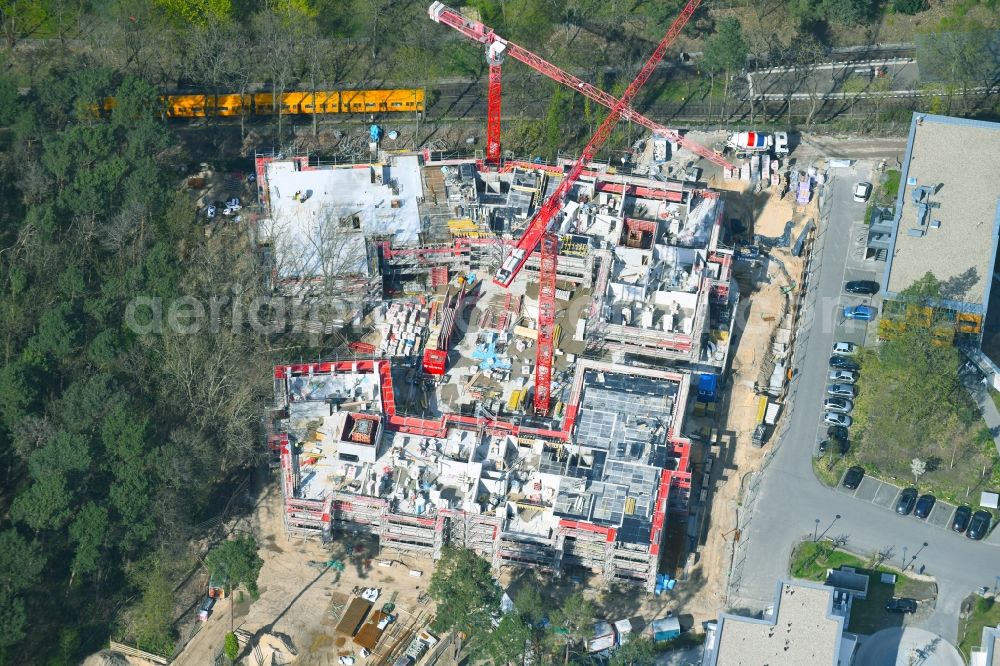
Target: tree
point(238, 560)
point(557, 118)
point(197, 12)
point(639, 651)
point(88, 532)
point(925, 291)
point(232, 647)
point(153, 616)
point(725, 51)
point(21, 565)
point(467, 596)
point(918, 467)
point(909, 6)
point(507, 642)
point(576, 618)
point(962, 56)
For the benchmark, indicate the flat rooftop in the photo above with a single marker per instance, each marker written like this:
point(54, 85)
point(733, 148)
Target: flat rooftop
point(321, 215)
point(958, 162)
point(802, 630)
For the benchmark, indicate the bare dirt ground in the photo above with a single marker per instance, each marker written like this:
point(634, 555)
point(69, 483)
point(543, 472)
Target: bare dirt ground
point(303, 601)
point(759, 316)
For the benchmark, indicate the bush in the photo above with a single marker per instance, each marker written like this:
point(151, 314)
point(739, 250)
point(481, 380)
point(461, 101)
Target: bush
point(910, 7)
point(232, 648)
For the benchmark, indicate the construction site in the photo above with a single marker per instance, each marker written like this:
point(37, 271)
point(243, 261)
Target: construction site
point(532, 338)
point(539, 351)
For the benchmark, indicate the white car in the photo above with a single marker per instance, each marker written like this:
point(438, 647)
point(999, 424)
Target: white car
point(346, 660)
point(862, 191)
point(842, 376)
point(837, 419)
point(838, 405)
point(844, 348)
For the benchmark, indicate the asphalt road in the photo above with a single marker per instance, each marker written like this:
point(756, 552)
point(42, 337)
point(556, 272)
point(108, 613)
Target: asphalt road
point(784, 501)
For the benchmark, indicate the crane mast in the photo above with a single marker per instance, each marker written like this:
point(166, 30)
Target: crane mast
point(542, 227)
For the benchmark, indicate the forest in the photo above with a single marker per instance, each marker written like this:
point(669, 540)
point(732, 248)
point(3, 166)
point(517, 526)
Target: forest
point(115, 444)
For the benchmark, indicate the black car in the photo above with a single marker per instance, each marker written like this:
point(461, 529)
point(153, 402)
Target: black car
point(924, 506)
point(866, 287)
point(843, 363)
point(901, 605)
point(907, 498)
point(853, 477)
point(979, 525)
point(961, 520)
point(836, 432)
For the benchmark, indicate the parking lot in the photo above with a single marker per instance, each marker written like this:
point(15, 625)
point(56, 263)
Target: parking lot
point(857, 332)
point(885, 494)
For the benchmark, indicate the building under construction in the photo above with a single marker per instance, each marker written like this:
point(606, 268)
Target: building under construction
point(428, 433)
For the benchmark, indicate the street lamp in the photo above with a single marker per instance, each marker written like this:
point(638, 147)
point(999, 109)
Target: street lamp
point(914, 557)
point(835, 519)
point(816, 531)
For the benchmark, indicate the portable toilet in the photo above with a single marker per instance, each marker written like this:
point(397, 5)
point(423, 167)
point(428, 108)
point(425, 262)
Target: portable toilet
point(666, 628)
point(707, 387)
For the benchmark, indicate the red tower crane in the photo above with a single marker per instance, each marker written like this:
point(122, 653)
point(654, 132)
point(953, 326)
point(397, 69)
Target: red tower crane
point(498, 47)
point(538, 229)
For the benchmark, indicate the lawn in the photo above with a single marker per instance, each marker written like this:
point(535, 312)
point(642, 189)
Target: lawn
point(830, 468)
point(985, 613)
point(890, 187)
point(995, 395)
point(811, 560)
point(885, 192)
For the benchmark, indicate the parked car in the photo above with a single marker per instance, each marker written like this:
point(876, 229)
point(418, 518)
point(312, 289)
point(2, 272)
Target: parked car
point(842, 376)
point(862, 191)
point(901, 605)
point(843, 363)
point(842, 390)
point(205, 610)
point(823, 445)
point(860, 312)
point(960, 522)
point(836, 418)
point(865, 287)
point(924, 506)
point(836, 432)
point(838, 405)
point(979, 526)
point(853, 477)
point(907, 498)
point(844, 348)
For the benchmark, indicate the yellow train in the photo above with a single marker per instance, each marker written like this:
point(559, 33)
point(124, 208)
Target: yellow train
point(289, 103)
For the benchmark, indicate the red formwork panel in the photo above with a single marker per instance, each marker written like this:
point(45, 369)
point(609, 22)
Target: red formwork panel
point(644, 192)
